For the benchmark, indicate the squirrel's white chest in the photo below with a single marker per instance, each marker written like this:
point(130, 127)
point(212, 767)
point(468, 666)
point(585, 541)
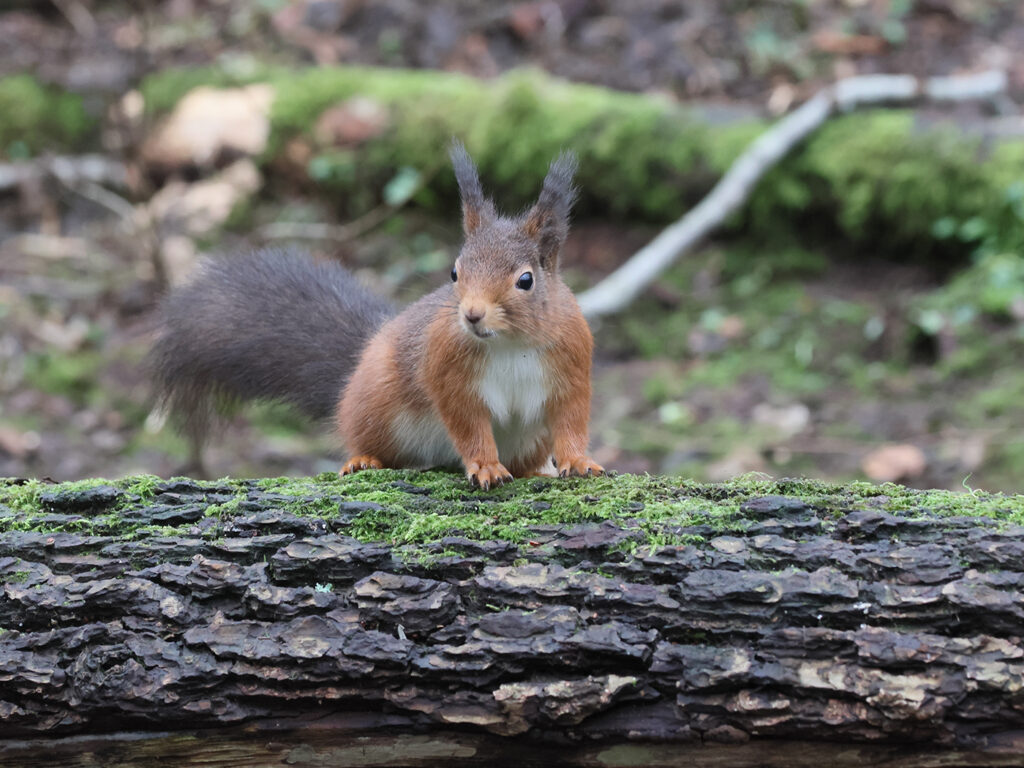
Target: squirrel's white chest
point(513, 385)
point(514, 388)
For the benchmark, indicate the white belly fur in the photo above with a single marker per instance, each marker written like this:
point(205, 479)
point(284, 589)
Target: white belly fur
point(515, 390)
point(513, 387)
point(423, 441)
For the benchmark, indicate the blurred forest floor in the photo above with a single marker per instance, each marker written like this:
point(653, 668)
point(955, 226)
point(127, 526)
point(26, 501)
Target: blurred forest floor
point(791, 356)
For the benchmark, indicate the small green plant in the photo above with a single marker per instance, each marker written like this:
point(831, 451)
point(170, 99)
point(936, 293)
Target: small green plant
point(35, 117)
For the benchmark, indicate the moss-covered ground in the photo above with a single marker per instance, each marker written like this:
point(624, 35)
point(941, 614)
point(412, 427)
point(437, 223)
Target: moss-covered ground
point(424, 507)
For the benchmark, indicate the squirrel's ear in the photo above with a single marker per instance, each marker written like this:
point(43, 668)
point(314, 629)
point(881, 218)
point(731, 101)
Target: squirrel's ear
point(547, 222)
point(476, 209)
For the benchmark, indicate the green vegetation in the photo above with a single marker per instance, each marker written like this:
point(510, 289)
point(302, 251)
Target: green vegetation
point(416, 508)
point(774, 322)
point(883, 183)
point(74, 376)
point(876, 178)
point(35, 117)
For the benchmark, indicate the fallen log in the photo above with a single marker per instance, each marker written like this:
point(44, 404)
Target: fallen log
point(400, 618)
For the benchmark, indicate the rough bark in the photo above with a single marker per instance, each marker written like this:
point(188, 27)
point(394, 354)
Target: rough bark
point(864, 636)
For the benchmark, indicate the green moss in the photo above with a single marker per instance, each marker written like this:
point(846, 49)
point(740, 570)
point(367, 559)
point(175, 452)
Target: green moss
point(161, 91)
point(23, 495)
point(884, 182)
point(35, 117)
point(143, 486)
point(659, 509)
point(513, 127)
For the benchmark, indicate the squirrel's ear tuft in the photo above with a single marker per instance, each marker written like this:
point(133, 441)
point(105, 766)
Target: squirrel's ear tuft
point(476, 209)
point(548, 221)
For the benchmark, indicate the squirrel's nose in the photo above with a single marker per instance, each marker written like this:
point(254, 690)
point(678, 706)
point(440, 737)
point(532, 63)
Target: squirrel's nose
point(474, 316)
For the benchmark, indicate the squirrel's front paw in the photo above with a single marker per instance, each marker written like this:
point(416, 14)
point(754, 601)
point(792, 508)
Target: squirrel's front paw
point(359, 462)
point(578, 467)
point(487, 475)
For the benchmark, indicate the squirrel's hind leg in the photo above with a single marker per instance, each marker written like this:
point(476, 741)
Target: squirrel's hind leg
point(195, 466)
point(357, 463)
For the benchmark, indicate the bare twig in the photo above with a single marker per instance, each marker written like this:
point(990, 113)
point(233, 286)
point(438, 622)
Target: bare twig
point(621, 287)
point(104, 197)
point(78, 16)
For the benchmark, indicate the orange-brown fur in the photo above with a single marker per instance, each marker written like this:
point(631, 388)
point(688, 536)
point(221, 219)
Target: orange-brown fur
point(426, 365)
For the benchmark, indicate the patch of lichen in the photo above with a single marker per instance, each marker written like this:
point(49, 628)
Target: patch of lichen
point(876, 178)
point(417, 508)
point(35, 118)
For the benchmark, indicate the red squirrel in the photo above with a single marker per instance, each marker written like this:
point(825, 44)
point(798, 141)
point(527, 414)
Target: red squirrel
point(491, 369)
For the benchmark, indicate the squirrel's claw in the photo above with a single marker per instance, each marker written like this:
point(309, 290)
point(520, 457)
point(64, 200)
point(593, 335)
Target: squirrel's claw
point(357, 463)
point(486, 476)
point(579, 467)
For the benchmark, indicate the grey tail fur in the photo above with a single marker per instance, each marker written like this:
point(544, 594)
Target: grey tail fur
point(270, 325)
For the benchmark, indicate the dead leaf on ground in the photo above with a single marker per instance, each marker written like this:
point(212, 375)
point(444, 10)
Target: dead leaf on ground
point(828, 41)
point(351, 122)
point(892, 463)
point(209, 123)
point(16, 443)
point(198, 209)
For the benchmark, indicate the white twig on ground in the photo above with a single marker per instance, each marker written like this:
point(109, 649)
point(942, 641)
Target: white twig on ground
point(622, 286)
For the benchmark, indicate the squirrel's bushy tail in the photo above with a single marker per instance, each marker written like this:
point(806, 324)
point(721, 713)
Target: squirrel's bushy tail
point(269, 325)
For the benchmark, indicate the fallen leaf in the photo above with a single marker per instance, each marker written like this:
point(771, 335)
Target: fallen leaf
point(892, 463)
point(199, 208)
point(833, 42)
point(209, 123)
point(19, 444)
point(351, 122)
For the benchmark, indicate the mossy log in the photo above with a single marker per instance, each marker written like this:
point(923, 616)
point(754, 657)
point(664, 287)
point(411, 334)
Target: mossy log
point(881, 179)
point(621, 621)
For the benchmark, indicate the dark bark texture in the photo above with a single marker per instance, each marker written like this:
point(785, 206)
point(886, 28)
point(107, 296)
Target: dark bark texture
point(893, 638)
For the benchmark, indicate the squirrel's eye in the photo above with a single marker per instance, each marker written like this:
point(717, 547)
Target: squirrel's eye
point(455, 275)
point(525, 281)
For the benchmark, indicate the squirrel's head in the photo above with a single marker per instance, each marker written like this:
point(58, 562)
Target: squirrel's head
point(508, 266)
